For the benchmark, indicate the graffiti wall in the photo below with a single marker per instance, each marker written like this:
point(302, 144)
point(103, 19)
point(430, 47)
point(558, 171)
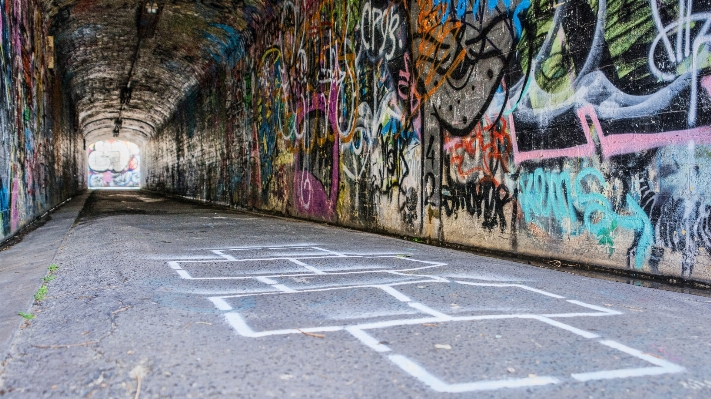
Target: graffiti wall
point(40, 151)
point(568, 129)
point(204, 152)
point(114, 164)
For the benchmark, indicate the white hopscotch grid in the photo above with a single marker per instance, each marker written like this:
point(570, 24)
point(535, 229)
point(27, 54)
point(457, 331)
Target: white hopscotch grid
point(361, 331)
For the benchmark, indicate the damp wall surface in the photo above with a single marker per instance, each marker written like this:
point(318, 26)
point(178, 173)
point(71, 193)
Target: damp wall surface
point(41, 152)
point(575, 130)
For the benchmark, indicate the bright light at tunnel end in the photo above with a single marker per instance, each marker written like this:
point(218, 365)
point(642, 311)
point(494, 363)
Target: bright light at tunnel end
point(114, 165)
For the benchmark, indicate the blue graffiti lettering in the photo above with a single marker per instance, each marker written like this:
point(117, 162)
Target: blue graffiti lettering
point(545, 195)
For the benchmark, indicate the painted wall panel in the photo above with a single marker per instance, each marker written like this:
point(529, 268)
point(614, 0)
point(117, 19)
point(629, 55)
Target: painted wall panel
point(577, 130)
point(40, 151)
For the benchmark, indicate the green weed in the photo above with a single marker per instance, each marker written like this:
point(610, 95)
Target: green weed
point(41, 292)
point(27, 316)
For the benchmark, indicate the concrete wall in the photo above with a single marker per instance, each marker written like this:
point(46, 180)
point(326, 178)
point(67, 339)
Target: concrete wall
point(41, 154)
point(576, 130)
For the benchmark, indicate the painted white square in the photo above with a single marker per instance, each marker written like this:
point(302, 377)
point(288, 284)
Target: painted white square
point(461, 300)
point(319, 309)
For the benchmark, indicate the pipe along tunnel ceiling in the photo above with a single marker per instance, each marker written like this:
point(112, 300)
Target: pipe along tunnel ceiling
point(128, 63)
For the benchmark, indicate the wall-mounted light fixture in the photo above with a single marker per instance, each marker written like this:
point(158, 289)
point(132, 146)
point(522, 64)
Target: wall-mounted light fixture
point(117, 126)
point(126, 93)
point(148, 17)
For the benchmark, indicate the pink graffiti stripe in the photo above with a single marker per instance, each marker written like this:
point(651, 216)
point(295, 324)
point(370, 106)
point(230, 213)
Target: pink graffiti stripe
point(626, 143)
point(616, 144)
point(14, 211)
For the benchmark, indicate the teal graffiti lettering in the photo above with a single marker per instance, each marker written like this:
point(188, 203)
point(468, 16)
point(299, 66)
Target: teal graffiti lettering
point(545, 194)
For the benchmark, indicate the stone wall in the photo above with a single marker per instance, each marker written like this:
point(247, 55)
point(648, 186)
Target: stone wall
point(41, 152)
point(576, 130)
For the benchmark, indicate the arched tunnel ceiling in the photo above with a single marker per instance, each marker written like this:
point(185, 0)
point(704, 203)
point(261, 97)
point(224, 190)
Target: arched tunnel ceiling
point(95, 41)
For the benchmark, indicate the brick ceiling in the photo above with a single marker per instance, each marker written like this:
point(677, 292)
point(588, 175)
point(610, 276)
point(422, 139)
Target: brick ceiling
point(97, 43)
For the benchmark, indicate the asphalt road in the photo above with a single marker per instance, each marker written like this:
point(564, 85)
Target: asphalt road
point(24, 262)
point(183, 300)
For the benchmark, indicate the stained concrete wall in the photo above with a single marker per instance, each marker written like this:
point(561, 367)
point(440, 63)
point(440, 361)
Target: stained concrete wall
point(576, 130)
point(41, 152)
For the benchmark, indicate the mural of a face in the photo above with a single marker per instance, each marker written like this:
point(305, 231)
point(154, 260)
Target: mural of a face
point(461, 62)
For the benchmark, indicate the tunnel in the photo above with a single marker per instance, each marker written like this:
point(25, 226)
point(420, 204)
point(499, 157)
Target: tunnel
point(558, 134)
point(492, 126)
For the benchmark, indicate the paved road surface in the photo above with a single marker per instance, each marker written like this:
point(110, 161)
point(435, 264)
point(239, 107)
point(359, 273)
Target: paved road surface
point(202, 302)
point(25, 263)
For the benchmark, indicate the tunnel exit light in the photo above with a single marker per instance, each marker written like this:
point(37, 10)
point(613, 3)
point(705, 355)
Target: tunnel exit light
point(114, 164)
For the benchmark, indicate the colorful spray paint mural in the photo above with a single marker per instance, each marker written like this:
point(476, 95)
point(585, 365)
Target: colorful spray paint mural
point(576, 130)
point(39, 149)
point(114, 164)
